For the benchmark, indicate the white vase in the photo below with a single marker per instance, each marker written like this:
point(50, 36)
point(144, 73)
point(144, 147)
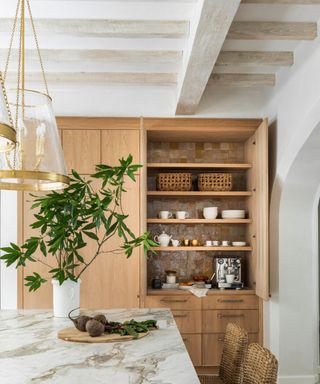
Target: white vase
point(66, 297)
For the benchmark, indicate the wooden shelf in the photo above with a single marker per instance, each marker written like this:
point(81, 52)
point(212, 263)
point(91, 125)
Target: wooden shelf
point(198, 194)
point(202, 248)
point(199, 221)
point(236, 166)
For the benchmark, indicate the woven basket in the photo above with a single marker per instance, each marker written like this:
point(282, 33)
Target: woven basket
point(174, 182)
point(215, 182)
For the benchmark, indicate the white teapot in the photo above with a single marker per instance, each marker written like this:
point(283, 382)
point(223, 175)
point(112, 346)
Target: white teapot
point(163, 239)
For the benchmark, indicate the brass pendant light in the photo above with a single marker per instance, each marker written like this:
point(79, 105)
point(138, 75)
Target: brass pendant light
point(36, 163)
point(7, 131)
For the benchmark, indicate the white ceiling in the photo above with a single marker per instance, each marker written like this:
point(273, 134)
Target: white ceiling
point(128, 57)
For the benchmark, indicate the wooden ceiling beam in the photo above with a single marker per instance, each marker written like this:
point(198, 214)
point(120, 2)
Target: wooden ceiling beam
point(214, 20)
point(244, 80)
point(102, 78)
point(255, 58)
point(265, 30)
point(100, 55)
point(106, 28)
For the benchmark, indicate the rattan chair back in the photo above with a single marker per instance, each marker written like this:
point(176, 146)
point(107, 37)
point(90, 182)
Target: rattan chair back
point(234, 350)
point(260, 366)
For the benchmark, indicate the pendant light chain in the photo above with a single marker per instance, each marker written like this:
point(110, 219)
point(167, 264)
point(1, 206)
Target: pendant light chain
point(38, 48)
point(11, 41)
point(6, 100)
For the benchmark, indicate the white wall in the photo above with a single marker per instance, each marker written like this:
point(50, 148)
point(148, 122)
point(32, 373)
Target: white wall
point(291, 315)
point(8, 233)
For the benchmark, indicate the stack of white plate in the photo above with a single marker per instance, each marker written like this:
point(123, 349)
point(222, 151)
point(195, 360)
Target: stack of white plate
point(233, 214)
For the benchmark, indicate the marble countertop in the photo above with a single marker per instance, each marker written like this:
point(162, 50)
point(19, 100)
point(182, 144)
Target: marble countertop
point(30, 352)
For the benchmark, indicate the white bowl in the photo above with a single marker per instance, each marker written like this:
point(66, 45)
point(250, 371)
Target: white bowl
point(239, 243)
point(233, 214)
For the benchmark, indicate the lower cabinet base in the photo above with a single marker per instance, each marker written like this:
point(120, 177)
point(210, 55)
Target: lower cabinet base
point(193, 343)
point(212, 346)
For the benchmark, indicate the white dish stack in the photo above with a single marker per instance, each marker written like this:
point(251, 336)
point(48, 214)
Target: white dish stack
point(233, 214)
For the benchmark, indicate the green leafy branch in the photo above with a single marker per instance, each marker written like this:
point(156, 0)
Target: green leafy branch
point(67, 220)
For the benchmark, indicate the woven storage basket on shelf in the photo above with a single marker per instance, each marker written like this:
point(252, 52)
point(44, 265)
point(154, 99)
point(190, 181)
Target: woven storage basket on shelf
point(174, 182)
point(215, 182)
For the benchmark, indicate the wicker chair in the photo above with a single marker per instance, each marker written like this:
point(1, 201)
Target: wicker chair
point(260, 366)
point(234, 349)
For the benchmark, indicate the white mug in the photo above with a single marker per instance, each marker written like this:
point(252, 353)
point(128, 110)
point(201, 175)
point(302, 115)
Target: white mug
point(181, 215)
point(175, 243)
point(208, 243)
point(165, 215)
point(210, 213)
point(216, 243)
point(230, 278)
point(225, 243)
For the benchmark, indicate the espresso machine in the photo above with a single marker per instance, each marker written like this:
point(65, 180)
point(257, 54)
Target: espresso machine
point(229, 266)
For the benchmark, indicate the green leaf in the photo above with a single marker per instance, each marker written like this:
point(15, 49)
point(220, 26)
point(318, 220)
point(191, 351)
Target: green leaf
point(91, 235)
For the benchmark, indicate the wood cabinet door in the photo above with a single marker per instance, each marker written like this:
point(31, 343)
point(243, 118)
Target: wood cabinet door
point(212, 346)
point(42, 298)
point(112, 281)
point(82, 150)
point(116, 144)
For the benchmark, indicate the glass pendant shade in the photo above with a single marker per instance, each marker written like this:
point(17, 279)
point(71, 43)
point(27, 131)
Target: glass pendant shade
point(7, 132)
point(37, 162)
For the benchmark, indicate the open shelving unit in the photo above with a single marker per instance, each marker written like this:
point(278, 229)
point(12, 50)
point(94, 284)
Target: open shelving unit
point(233, 146)
point(236, 146)
point(198, 194)
point(198, 221)
point(202, 249)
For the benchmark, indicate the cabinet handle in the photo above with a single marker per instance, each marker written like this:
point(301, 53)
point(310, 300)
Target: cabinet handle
point(174, 301)
point(230, 300)
point(220, 339)
point(221, 316)
point(181, 315)
point(185, 339)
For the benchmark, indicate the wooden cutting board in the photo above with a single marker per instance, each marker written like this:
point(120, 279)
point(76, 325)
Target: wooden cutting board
point(73, 334)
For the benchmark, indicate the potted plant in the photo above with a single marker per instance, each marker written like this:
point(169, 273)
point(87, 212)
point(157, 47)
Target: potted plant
point(66, 220)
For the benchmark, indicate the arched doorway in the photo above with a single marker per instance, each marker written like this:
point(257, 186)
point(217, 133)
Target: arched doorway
point(293, 313)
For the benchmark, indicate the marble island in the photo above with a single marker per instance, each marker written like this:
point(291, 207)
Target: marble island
point(30, 352)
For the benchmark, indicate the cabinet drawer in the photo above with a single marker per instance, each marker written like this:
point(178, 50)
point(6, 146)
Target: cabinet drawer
point(231, 302)
point(216, 321)
point(193, 345)
point(173, 302)
point(213, 345)
point(188, 321)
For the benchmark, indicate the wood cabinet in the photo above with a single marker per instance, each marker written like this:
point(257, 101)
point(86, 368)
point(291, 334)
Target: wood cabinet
point(236, 146)
point(112, 281)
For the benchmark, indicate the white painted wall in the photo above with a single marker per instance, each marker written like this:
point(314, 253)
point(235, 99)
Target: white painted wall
point(8, 233)
point(292, 314)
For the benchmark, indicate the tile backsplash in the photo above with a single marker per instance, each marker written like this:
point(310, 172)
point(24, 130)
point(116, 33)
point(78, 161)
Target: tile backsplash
point(195, 152)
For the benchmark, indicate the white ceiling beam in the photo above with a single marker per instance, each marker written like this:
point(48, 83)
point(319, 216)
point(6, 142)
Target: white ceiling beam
point(244, 80)
point(212, 25)
point(101, 78)
point(261, 30)
point(297, 2)
point(255, 58)
point(106, 28)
